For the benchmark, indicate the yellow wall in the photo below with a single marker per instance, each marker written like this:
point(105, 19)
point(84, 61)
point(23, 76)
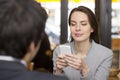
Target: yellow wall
point(72, 0)
point(56, 0)
point(115, 0)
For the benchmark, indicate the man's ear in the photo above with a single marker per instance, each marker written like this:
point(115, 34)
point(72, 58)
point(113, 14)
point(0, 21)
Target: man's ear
point(31, 52)
point(31, 47)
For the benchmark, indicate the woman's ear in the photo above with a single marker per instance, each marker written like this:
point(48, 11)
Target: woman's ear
point(92, 30)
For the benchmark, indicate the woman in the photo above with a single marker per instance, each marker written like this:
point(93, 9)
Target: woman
point(88, 59)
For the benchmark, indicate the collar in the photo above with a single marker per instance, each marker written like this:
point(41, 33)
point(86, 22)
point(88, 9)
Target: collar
point(12, 59)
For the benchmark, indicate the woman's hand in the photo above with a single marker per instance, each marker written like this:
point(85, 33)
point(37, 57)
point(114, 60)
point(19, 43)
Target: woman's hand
point(77, 63)
point(60, 64)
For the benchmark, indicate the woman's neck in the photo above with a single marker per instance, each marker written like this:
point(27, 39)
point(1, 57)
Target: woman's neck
point(82, 47)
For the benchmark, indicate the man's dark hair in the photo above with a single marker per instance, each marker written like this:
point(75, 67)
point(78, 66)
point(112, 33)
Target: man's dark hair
point(20, 24)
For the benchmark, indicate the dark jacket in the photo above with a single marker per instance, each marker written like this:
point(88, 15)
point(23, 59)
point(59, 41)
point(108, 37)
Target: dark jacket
point(17, 71)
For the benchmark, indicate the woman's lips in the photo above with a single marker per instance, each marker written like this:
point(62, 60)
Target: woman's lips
point(78, 34)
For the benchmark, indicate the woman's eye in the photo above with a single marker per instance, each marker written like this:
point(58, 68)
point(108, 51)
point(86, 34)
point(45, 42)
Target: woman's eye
point(84, 24)
point(72, 24)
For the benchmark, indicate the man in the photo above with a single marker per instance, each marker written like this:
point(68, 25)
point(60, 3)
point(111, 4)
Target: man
point(22, 23)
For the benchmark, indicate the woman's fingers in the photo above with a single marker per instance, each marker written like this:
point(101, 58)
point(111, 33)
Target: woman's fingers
point(60, 62)
point(60, 65)
point(73, 61)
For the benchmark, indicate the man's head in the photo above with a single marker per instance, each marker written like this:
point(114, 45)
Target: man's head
point(21, 22)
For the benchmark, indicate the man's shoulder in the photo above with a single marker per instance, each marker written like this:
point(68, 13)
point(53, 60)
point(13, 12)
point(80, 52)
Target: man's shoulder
point(34, 75)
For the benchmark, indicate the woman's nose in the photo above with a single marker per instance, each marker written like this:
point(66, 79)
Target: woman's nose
point(78, 27)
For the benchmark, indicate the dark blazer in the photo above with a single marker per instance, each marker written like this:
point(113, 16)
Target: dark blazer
point(17, 71)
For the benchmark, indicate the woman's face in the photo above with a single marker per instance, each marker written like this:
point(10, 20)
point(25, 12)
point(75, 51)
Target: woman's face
point(80, 27)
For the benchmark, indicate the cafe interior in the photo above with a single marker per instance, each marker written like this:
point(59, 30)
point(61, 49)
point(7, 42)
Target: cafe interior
point(58, 33)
